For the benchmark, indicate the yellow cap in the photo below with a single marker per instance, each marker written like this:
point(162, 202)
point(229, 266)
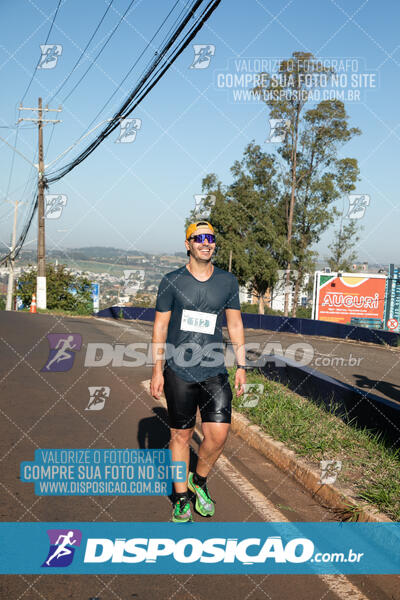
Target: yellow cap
point(199, 225)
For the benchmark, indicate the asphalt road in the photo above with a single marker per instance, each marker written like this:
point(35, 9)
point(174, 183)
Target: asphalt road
point(367, 366)
point(48, 410)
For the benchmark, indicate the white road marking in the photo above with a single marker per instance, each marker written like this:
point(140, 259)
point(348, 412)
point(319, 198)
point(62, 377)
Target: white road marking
point(338, 584)
point(127, 327)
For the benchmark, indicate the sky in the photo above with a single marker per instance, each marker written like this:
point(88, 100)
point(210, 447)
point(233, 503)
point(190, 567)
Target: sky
point(137, 195)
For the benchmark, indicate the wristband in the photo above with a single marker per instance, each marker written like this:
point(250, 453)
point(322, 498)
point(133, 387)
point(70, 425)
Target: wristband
point(241, 367)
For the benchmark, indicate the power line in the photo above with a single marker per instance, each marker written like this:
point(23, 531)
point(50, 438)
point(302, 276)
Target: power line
point(16, 127)
point(38, 202)
point(100, 51)
point(41, 253)
point(38, 62)
point(22, 99)
point(49, 142)
point(24, 233)
point(6, 215)
point(34, 203)
point(82, 53)
point(135, 63)
point(137, 60)
point(23, 185)
point(12, 164)
point(146, 84)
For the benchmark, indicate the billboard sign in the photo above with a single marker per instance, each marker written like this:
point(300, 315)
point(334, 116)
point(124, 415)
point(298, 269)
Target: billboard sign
point(340, 296)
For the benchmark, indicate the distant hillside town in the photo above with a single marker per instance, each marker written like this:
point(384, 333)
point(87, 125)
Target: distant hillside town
point(131, 278)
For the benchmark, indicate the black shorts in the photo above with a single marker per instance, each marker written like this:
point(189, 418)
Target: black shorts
point(213, 397)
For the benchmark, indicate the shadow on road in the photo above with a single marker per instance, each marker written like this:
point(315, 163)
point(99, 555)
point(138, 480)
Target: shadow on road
point(153, 432)
point(390, 390)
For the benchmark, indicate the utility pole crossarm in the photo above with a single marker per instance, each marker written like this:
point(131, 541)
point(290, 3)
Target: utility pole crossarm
point(43, 120)
point(46, 108)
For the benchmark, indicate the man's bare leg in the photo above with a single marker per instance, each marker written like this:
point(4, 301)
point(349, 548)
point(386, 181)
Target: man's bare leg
point(215, 435)
point(179, 446)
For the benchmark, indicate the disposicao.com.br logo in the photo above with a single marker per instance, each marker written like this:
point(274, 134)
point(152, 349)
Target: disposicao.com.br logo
point(191, 550)
point(203, 548)
point(188, 550)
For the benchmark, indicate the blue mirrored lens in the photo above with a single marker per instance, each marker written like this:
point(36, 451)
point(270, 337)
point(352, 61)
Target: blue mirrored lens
point(199, 239)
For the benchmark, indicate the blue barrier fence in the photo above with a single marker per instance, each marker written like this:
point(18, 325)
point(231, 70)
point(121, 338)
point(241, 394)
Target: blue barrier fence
point(354, 405)
point(369, 410)
point(272, 323)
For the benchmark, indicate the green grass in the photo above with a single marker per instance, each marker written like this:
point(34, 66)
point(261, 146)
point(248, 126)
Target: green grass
point(369, 467)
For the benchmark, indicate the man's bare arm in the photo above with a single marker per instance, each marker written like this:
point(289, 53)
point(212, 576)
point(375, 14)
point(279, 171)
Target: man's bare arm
point(236, 333)
point(160, 330)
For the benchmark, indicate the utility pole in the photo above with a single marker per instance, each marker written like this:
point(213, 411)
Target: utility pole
point(10, 286)
point(41, 295)
point(41, 168)
point(41, 251)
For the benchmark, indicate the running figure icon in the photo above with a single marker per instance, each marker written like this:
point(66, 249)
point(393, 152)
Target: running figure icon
point(98, 396)
point(203, 54)
point(63, 545)
point(62, 549)
point(50, 55)
point(62, 354)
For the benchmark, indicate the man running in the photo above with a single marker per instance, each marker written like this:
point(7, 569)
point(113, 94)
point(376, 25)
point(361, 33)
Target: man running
point(191, 302)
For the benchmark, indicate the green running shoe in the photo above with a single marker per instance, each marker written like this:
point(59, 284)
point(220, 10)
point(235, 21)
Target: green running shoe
point(204, 504)
point(182, 512)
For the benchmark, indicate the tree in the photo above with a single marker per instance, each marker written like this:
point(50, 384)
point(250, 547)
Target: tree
point(311, 176)
point(342, 254)
point(249, 230)
point(314, 212)
point(65, 291)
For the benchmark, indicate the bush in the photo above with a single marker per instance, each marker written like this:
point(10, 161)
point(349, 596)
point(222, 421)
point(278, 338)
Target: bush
point(303, 312)
point(247, 307)
point(270, 311)
point(65, 291)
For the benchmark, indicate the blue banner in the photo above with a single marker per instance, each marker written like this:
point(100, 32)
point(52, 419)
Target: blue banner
point(102, 472)
point(207, 548)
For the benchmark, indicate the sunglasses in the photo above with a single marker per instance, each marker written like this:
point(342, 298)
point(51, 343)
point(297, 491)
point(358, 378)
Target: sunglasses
point(201, 237)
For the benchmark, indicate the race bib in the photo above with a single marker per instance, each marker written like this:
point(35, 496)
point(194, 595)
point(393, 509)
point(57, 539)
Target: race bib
point(192, 320)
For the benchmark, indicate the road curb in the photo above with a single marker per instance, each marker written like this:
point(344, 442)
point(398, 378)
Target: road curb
point(341, 501)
